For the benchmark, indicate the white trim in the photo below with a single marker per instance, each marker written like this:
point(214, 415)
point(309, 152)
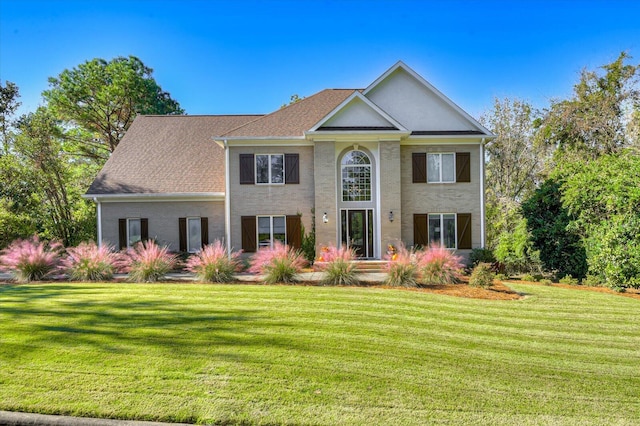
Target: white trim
point(440, 181)
point(227, 198)
point(99, 220)
point(377, 214)
point(482, 201)
point(155, 197)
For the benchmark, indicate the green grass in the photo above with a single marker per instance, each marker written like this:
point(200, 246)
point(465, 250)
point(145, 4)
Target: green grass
point(248, 354)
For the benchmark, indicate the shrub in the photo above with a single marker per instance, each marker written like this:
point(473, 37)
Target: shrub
point(338, 266)
point(481, 276)
point(529, 277)
point(279, 264)
point(438, 265)
point(88, 262)
point(483, 255)
point(212, 264)
point(501, 277)
point(148, 262)
point(31, 259)
point(568, 279)
point(591, 281)
point(546, 281)
point(402, 269)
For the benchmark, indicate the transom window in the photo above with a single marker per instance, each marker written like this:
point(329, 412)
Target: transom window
point(442, 229)
point(356, 177)
point(270, 229)
point(441, 168)
point(270, 168)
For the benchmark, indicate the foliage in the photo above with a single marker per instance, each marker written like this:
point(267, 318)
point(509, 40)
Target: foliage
point(31, 259)
point(561, 247)
point(515, 249)
point(338, 266)
point(213, 264)
point(103, 98)
point(279, 264)
point(591, 281)
point(88, 262)
point(481, 276)
point(478, 255)
point(9, 103)
point(546, 281)
point(308, 245)
point(529, 277)
point(13, 225)
point(402, 268)
point(438, 265)
point(148, 262)
point(568, 279)
point(595, 121)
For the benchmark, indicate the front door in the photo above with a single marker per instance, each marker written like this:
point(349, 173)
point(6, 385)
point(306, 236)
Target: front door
point(357, 231)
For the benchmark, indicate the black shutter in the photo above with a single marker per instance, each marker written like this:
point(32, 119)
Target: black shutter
point(144, 229)
point(420, 230)
point(292, 168)
point(294, 231)
point(464, 230)
point(248, 225)
point(182, 233)
point(247, 169)
point(463, 167)
point(122, 233)
point(204, 231)
point(419, 162)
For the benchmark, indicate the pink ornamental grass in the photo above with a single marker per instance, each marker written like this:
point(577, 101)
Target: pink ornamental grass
point(148, 262)
point(438, 265)
point(31, 259)
point(401, 268)
point(338, 266)
point(88, 262)
point(279, 264)
point(213, 264)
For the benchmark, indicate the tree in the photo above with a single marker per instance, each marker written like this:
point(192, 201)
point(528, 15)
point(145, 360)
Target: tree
point(598, 118)
point(9, 95)
point(102, 98)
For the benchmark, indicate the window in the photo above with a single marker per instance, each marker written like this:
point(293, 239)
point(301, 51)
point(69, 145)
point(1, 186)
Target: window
point(131, 231)
point(270, 168)
point(356, 177)
point(194, 234)
point(442, 230)
point(441, 168)
point(270, 229)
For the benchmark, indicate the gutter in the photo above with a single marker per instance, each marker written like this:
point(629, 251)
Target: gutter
point(482, 189)
point(227, 198)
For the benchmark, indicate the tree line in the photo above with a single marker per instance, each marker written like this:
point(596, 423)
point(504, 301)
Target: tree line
point(562, 183)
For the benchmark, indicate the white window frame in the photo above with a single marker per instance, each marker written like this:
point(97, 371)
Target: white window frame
point(129, 220)
point(368, 196)
point(455, 227)
point(440, 154)
point(270, 177)
point(271, 238)
point(191, 249)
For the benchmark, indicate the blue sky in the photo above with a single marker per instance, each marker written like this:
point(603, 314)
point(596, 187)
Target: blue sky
point(233, 57)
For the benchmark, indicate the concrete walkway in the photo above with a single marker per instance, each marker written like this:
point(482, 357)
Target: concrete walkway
point(11, 418)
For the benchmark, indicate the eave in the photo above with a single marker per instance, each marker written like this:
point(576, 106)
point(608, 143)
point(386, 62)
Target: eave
point(156, 197)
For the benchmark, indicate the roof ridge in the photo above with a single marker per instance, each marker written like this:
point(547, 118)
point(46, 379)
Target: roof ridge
point(200, 115)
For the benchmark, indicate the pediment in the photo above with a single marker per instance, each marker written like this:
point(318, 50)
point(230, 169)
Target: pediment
point(357, 113)
point(418, 105)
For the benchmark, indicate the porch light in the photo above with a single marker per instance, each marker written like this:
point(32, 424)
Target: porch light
point(325, 218)
point(391, 216)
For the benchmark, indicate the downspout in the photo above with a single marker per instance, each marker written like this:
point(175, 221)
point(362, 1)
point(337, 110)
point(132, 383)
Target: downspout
point(99, 219)
point(482, 189)
point(227, 199)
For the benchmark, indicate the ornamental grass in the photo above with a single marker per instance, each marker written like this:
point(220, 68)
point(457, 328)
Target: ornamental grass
point(213, 265)
point(438, 265)
point(148, 262)
point(278, 264)
point(338, 266)
point(31, 259)
point(88, 262)
point(401, 268)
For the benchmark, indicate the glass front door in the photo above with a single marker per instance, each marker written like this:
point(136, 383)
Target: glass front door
point(357, 231)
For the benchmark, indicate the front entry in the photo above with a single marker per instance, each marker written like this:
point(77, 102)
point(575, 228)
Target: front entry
point(357, 231)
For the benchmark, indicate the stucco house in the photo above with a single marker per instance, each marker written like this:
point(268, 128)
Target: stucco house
point(394, 162)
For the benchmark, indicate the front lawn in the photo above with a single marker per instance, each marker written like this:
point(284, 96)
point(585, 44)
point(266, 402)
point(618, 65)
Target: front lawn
point(251, 354)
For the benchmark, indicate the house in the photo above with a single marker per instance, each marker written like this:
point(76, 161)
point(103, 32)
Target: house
point(394, 162)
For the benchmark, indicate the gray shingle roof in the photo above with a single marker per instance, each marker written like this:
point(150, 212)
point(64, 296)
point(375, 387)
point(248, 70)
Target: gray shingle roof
point(168, 154)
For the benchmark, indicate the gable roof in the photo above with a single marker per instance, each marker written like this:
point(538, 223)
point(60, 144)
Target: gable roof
point(168, 155)
point(293, 120)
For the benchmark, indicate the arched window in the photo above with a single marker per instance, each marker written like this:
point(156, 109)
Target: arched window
point(356, 176)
